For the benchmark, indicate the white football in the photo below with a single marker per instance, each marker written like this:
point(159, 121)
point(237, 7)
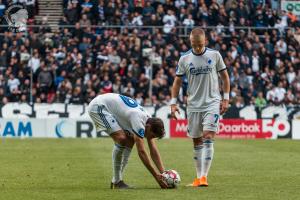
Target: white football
point(171, 177)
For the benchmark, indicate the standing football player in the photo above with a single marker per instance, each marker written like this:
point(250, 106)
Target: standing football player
point(127, 123)
point(201, 67)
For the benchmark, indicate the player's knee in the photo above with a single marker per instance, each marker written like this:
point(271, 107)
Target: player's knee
point(130, 142)
point(209, 135)
point(120, 138)
point(122, 142)
point(197, 141)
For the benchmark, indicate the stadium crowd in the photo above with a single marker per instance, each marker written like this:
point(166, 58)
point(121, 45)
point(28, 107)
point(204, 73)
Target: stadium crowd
point(73, 65)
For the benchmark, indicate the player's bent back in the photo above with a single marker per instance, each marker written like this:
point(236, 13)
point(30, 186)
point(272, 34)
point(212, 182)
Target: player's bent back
point(113, 112)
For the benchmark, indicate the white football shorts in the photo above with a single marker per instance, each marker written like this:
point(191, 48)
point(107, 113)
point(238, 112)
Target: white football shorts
point(103, 120)
point(202, 121)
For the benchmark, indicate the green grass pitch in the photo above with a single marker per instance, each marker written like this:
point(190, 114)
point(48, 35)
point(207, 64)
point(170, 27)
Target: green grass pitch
point(66, 169)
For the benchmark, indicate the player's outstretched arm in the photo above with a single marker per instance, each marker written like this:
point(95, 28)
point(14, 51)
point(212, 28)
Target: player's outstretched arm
point(175, 91)
point(155, 155)
point(226, 89)
point(176, 86)
point(145, 159)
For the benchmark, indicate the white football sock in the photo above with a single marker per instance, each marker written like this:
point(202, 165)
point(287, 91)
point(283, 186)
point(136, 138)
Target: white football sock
point(207, 156)
point(197, 158)
point(116, 162)
point(126, 154)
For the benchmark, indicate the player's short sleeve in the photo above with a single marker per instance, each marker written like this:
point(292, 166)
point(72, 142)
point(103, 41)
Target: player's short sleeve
point(220, 65)
point(138, 126)
point(180, 70)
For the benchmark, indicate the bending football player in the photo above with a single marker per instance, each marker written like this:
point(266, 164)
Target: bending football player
point(128, 123)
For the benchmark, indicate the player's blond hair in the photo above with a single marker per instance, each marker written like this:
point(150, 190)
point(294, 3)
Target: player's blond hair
point(197, 32)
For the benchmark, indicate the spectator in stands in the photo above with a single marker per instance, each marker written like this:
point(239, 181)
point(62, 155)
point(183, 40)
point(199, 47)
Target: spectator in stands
point(3, 60)
point(129, 90)
point(148, 10)
point(270, 96)
point(44, 26)
point(45, 80)
point(137, 19)
point(4, 101)
point(25, 88)
point(279, 93)
point(282, 46)
point(114, 58)
point(291, 75)
point(35, 62)
point(2, 8)
point(86, 8)
point(100, 12)
point(72, 13)
point(239, 102)
point(109, 12)
point(260, 101)
point(84, 21)
point(2, 81)
point(106, 85)
point(77, 97)
point(255, 62)
point(189, 22)
point(289, 98)
point(169, 21)
point(2, 93)
point(13, 83)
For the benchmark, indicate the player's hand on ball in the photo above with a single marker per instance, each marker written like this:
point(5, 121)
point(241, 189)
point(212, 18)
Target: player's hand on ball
point(160, 180)
point(174, 109)
point(224, 106)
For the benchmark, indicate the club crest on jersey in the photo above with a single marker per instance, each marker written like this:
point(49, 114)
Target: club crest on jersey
point(199, 70)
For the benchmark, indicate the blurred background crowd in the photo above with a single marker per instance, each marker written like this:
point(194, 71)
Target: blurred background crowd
point(73, 64)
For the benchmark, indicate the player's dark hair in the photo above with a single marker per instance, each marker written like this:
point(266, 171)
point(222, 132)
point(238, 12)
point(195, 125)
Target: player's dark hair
point(157, 127)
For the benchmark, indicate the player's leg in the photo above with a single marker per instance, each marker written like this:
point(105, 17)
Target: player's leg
point(210, 127)
point(104, 121)
point(198, 147)
point(121, 154)
point(120, 140)
point(207, 155)
point(194, 131)
point(198, 151)
point(127, 151)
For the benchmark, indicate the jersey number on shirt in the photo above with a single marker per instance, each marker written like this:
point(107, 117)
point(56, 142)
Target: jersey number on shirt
point(216, 118)
point(129, 101)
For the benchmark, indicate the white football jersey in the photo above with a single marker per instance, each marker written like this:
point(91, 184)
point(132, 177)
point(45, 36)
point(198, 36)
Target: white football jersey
point(128, 113)
point(201, 71)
